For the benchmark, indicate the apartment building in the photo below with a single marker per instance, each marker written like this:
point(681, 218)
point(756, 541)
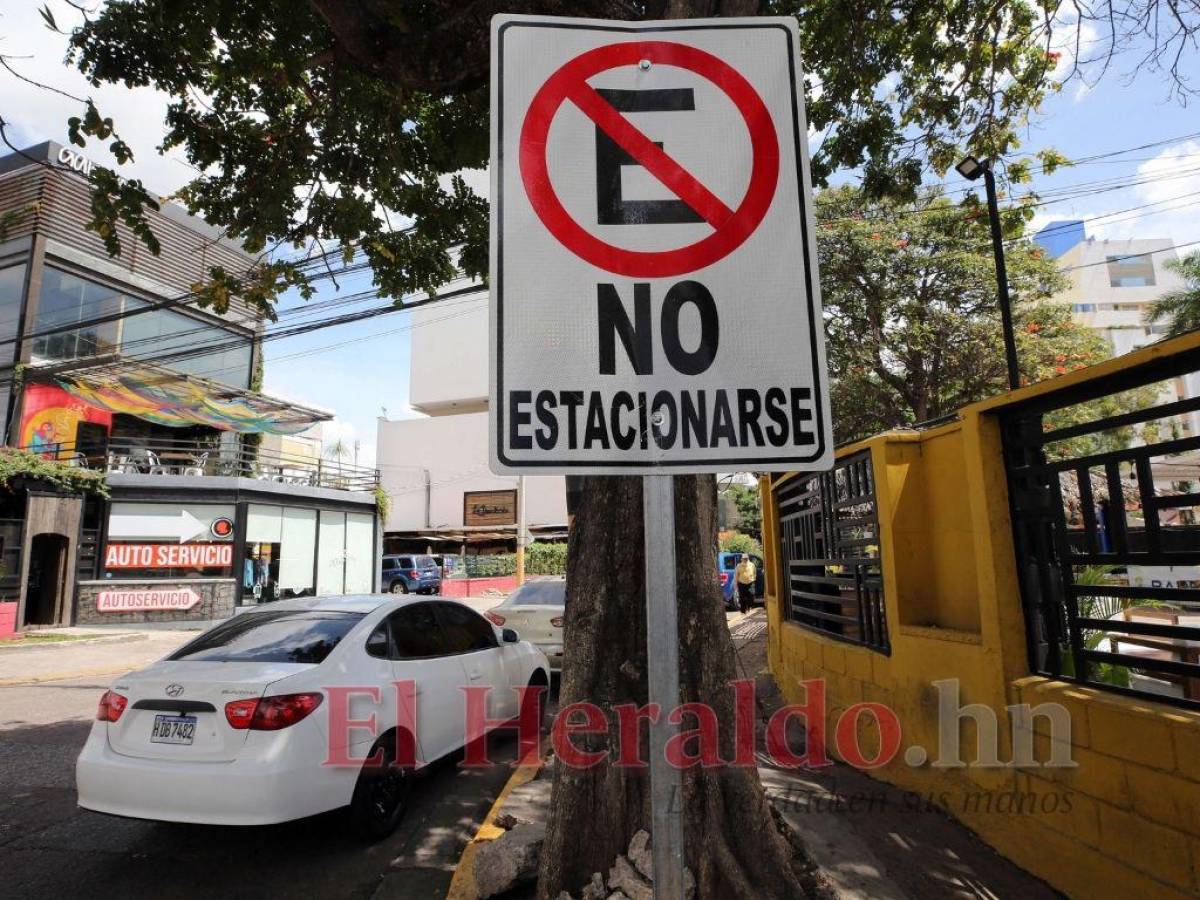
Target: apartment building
point(434, 467)
point(1113, 284)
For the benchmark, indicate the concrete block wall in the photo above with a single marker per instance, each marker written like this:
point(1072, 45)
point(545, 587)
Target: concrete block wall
point(216, 601)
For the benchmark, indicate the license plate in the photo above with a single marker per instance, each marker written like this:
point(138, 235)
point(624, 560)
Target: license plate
point(173, 730)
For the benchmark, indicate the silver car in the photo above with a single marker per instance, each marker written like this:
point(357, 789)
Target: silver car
point(535, 611)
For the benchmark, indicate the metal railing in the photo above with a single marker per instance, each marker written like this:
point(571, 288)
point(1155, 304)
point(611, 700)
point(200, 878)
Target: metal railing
point(201, 458)
point(1105, 530)
point(829, 536)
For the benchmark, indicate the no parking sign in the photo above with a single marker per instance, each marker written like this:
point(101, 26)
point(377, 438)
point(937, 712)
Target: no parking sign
point(655, 301)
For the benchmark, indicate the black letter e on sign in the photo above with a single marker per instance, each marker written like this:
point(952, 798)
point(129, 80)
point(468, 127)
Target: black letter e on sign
point(611, 209)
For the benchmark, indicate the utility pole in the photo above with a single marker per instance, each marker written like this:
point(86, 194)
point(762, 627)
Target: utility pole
point(520, 530)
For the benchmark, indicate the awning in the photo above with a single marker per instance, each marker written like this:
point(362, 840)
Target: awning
point(170, 398)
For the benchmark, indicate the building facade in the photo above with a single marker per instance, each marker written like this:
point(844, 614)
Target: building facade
point(107, 364)
point(434, 468)
point(1113, 284)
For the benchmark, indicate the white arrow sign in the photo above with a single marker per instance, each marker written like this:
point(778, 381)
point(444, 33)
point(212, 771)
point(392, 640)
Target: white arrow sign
point(183, 526)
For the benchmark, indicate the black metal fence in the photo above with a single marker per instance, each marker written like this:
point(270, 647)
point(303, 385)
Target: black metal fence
point(1105, 497)
point(829, 537)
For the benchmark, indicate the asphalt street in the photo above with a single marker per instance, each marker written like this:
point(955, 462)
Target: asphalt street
point(51, 848)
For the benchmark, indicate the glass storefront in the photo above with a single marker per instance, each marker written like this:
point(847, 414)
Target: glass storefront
point(281, 547)
point(169, 540)
point(160, 336)
point(287, 551)
point(346, 553)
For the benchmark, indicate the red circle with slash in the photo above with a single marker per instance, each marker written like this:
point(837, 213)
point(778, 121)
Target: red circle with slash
point(730, 227)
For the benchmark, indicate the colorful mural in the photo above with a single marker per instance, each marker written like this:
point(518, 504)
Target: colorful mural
point(50, 417)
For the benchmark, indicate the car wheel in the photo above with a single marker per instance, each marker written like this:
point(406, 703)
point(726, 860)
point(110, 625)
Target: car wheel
point(399, 587)
point(380, 794)
point(542, 700)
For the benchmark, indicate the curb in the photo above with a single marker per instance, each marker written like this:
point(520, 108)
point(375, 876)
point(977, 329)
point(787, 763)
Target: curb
point(462, 885)
point(18, 646)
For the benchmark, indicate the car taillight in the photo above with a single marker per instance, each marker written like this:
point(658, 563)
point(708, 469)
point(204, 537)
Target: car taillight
point(271, 713)
point(111, 706)
point(494, 618)
point(414, 574)
point(557, 621)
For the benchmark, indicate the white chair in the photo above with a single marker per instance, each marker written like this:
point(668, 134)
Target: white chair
point(156, 467)
point(197, 466)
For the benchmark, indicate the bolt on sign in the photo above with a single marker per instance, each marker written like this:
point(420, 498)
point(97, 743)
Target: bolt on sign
point(655, 300)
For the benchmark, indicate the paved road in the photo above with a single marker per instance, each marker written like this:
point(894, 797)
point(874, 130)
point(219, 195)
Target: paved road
point(49, 847)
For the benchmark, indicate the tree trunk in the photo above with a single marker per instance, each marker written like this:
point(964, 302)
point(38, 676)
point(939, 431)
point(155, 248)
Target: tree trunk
point(732, 844)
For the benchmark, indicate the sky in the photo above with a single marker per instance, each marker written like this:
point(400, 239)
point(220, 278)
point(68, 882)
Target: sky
point(360, 370)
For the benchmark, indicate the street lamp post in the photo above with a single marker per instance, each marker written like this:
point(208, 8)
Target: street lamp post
point(971, 168)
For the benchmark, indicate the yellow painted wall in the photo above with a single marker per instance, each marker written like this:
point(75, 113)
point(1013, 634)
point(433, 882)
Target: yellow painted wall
point(953, 609)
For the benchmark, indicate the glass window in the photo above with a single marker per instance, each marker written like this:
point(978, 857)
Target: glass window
point(463, 629)
point(67, 299)
point(416, 633)
point(280, 552)
point(165, 540)
point(539, 593)
point(1131, 271)
point(287, 636)
point(12, 290)
point(379, 644)
point(331, 553)
point(163, 336)
point(151, 336)
point(360, 553)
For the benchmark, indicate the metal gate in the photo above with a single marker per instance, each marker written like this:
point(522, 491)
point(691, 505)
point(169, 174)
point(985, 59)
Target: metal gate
point(829, 542)
point(1105, 513)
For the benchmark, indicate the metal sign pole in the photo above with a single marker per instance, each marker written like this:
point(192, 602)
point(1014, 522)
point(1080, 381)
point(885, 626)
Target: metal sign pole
point(662, 654)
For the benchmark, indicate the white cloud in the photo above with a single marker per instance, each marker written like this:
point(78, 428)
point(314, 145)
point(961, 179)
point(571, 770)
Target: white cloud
point(1170, 181)
point(36, 114)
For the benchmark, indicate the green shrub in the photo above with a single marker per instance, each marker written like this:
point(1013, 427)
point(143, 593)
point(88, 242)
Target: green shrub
point(741, 543)
point(546, 559)
point(21, 464)
point(490, 566)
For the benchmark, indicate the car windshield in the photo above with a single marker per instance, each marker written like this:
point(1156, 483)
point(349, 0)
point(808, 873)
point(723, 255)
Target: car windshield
point(538, 593)
point(425, 562)
point(291, 636)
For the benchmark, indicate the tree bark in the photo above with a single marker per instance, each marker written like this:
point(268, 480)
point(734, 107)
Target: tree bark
point(732, 844)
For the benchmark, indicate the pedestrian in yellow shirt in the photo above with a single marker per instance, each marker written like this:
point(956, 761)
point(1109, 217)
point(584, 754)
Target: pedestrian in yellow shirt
point(746, 575)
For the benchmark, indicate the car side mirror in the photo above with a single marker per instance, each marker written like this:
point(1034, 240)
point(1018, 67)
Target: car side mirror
point(510, 636)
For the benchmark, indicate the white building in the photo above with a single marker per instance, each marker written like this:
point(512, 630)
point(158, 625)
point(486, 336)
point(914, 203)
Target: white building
point(1113, 284)
point(434, 466)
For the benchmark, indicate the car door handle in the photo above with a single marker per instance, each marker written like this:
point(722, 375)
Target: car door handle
point(475, 675)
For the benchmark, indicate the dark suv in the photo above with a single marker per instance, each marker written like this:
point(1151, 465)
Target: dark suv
point(404, 574)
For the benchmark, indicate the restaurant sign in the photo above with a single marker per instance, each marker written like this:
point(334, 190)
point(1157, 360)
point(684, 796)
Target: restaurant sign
point(489, 508)
point(142, 601)
point(168, 556)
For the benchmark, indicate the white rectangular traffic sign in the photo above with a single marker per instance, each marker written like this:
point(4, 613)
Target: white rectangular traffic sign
point(655, 301)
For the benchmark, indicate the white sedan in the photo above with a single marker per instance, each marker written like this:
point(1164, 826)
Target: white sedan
point(536, 611)
point(251, 723)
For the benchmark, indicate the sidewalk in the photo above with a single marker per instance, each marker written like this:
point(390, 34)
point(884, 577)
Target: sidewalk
point(83, 659)
point(894, 847)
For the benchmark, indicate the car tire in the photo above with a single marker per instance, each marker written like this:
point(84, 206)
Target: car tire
point(542, 699)
point(381, 792)
point(398, 587)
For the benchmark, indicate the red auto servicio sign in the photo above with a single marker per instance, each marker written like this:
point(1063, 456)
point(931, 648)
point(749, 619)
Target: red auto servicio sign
point(147, 600)
point(168, 556)
point(655, 299)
